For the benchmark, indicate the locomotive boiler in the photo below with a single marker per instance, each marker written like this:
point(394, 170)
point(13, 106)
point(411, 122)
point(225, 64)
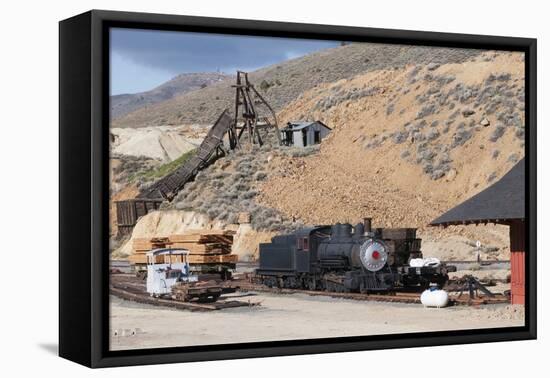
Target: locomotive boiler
point(346, 258)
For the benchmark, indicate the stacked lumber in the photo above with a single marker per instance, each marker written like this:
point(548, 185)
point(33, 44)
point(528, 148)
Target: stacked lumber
point(206, 246)
point(140, 247)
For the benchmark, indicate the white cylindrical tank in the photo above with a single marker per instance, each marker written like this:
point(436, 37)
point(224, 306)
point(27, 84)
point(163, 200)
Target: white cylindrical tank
point(434, 298)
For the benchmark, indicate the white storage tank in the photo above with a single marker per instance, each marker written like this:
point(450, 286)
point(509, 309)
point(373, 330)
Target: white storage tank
point(434, 297)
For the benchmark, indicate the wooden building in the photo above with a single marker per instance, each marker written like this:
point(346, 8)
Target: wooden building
point(302, 134)
point(501, 203)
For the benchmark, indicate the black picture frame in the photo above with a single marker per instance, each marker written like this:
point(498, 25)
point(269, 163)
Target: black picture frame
point(84, 188)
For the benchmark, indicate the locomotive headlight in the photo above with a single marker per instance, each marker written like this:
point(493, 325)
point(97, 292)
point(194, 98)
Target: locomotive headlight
point(373, 254)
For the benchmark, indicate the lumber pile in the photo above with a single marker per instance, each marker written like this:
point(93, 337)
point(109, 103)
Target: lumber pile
point(140, 247)
point(204, 246)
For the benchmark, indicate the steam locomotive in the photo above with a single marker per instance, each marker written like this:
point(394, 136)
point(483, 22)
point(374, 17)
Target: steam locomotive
point(343, 258)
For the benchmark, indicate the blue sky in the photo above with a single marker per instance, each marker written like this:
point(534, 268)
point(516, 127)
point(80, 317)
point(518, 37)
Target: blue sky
point(143, 59)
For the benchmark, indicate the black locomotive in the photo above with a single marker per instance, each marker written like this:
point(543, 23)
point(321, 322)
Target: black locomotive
point(343, 258)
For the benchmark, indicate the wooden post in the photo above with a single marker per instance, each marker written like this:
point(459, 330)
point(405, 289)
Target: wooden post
point(517, 261)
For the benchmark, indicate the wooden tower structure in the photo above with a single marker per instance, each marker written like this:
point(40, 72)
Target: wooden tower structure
point(253, 115)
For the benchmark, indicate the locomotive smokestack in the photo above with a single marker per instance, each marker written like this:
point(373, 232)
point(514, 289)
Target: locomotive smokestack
point(359, 231)
point(367, 223)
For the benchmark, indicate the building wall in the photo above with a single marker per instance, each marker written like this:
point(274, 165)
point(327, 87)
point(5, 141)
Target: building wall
point(297, 138)
point(517, 261)
point(310, 135)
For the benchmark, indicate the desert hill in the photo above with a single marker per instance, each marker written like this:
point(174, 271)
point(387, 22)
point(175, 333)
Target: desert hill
point(419, 138)
point(126, 103)
point(408, 143)
point(284, 82)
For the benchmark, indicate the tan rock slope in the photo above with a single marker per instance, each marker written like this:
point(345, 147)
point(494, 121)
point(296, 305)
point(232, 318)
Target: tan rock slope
point(407, 144)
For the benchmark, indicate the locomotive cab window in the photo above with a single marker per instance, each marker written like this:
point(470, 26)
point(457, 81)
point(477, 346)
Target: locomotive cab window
point(300, 243)
point(306, 244)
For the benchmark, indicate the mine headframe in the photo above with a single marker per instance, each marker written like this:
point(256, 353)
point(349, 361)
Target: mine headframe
point(253, 114)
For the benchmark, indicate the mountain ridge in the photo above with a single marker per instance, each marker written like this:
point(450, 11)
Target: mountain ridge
point(284, 82)
point(122, 104)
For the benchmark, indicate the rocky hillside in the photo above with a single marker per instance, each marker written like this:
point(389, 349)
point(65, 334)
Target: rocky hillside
point(407, 144)
point(283, 83)
point(126, 103)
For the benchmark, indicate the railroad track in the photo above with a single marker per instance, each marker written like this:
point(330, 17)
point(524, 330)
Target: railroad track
point(396, 297)
point(130, 288)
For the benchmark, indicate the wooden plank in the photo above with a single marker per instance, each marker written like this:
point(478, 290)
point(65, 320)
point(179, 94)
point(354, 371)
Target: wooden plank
point(142, 259)
point(207, 249)
point(204, 237)
point(212, 259)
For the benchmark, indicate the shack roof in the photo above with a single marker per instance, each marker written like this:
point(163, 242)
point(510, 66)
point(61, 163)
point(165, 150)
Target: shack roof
point(501, 202)
point(299, 125)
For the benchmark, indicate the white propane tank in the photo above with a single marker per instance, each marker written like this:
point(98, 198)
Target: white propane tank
point(434, 297)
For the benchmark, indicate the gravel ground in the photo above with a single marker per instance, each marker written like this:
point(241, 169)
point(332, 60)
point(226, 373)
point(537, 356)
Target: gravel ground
point(290, 317)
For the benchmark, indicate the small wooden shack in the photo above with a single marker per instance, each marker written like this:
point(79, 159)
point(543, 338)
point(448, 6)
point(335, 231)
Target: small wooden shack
point(304, 133)
point(501, 203)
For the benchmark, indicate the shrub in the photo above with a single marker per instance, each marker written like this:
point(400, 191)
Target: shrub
point(443, 80)
point(400, 136)
point(495, 154)
point(417, 136)
point(413, 74)
point(437, 174)
point(264, 85)
point(426, 111)
point(454, 115)
point(504, 77)
point(432, 134)
point(425, 155)
point(249, 194)
point(460, 137)
point(497, 133)
point(260, 176)
point(520, 133)
point(465, 95)
point(429, 77)
point(302, 151)
point(422, 98)
point(373, 143)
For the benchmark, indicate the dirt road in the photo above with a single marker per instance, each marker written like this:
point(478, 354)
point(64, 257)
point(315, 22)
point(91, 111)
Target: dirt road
point(287, 317)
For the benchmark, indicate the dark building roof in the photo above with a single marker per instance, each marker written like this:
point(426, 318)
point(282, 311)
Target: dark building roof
point(499, 203)
point(298, 125)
